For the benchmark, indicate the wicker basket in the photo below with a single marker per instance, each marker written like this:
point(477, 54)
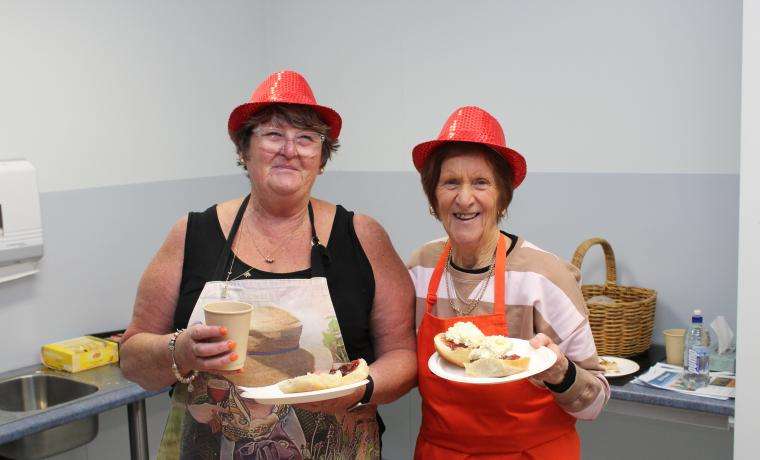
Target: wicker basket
point(624, 327)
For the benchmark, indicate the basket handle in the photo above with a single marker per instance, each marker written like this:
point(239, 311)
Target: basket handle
point(609, 257)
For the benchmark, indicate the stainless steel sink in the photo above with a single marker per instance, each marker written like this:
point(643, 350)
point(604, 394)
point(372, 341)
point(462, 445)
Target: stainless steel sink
point(39, 392)
point(35, 392)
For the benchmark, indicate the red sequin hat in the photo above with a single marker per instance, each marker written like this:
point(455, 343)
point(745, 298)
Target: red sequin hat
point(473, 124)
point(285, 87)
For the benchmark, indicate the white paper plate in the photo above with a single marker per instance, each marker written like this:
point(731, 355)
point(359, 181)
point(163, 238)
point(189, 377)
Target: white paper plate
point(541, 359)
point(625, 366)
point(272, 395)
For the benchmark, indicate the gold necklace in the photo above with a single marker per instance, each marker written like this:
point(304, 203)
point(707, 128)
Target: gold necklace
point(247, 273)
point(270, 258)
point(470, 304)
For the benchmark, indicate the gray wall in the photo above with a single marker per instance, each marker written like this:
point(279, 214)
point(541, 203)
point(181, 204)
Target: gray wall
point(675, 233)
point(97, 243)
point(671, 232)
point(99, 240)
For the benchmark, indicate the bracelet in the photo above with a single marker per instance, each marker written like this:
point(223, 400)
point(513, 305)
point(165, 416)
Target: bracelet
point(567, 380)
point(188, 379)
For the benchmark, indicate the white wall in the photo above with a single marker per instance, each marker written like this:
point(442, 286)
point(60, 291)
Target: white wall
point(108, 93)
point(748, 340)
point(125, 92)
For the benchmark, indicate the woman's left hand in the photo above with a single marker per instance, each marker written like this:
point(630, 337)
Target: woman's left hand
point(556, 373)
point(334, 406)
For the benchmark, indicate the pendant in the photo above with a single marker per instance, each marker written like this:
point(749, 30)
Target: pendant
point(269, 260)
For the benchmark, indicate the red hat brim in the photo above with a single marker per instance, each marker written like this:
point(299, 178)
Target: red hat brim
point(516, 161)
point(243, 112)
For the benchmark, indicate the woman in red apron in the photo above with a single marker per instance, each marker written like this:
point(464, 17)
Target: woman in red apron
point(506, 286)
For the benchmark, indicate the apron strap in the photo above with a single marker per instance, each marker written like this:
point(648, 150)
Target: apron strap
point(319, 255)
point(320, 258)
point(500, 290)
point(435, 280)
point(500, 275)
point(223, 260)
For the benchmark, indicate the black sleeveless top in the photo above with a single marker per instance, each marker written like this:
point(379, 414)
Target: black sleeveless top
point(347, 269)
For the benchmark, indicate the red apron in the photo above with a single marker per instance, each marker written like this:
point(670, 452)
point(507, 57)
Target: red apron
point(515, 420)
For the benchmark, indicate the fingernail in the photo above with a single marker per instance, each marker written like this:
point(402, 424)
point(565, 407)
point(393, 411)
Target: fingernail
point(233, 357)
point(223, 330)
point(231, 344)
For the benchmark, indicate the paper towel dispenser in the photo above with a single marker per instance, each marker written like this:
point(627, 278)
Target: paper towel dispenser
point(20, 220)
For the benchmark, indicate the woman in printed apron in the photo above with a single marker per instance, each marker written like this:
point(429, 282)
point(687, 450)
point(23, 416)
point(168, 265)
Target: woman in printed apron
point(504, 285)
point(326, 286)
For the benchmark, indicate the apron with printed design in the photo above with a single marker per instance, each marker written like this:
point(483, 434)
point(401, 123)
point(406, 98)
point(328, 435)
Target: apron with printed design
point(294, 330)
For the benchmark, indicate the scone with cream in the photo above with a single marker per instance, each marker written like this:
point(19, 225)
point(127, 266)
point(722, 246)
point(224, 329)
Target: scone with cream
point(494, 358)
point(456, 344)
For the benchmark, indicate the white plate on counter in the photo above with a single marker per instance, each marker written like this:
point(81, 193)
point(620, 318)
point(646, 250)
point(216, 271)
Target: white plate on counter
point(271, 394)
point(624, 366)
point(541, 359)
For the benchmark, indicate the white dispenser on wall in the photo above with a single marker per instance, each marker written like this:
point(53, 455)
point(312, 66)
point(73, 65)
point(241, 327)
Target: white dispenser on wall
point(20, 220)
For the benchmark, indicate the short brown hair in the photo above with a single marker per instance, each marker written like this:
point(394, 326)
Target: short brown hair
point(299, 116)
point(502, 172)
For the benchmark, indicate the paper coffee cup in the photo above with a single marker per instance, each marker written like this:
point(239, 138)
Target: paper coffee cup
point(236, 317)
point(674, 346)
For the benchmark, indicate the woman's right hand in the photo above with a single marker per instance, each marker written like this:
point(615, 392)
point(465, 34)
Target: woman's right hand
point(203, 348)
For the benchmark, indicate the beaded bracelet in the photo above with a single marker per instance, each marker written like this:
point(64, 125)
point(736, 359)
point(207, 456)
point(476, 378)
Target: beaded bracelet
point(188, 379)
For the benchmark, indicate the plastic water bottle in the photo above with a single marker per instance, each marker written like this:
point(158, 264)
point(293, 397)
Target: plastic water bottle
point(696, 354)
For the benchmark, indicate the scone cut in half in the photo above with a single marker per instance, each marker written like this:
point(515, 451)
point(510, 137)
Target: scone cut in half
point(464, 345)
point(457, 342)
point(495, 358)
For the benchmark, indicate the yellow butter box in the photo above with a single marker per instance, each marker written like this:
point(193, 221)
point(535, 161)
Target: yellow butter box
point(79, 354)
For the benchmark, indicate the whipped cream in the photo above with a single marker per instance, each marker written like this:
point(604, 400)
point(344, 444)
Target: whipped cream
point(493, 346)
point(465, 333)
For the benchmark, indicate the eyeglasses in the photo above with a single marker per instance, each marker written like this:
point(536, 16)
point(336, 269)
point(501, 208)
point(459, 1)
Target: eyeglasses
point(306, 143)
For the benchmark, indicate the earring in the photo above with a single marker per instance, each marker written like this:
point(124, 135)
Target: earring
point(432, 212)
point(240, 162)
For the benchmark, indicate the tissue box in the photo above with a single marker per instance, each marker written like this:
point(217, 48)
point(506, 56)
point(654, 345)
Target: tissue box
point(79, 354)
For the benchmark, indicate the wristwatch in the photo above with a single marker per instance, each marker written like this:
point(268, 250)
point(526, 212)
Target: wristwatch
point(368, 390)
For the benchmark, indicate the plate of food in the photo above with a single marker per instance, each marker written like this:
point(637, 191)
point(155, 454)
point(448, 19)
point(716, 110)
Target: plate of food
point(340, 381)
point(464, 354)
point(617, 367)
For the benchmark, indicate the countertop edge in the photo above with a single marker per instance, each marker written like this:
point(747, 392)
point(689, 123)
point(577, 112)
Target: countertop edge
point(664, 398)
point(75, 410)
point(131, 392)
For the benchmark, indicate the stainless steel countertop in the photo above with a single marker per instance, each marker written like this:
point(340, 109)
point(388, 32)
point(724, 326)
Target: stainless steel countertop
point(113, 391)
